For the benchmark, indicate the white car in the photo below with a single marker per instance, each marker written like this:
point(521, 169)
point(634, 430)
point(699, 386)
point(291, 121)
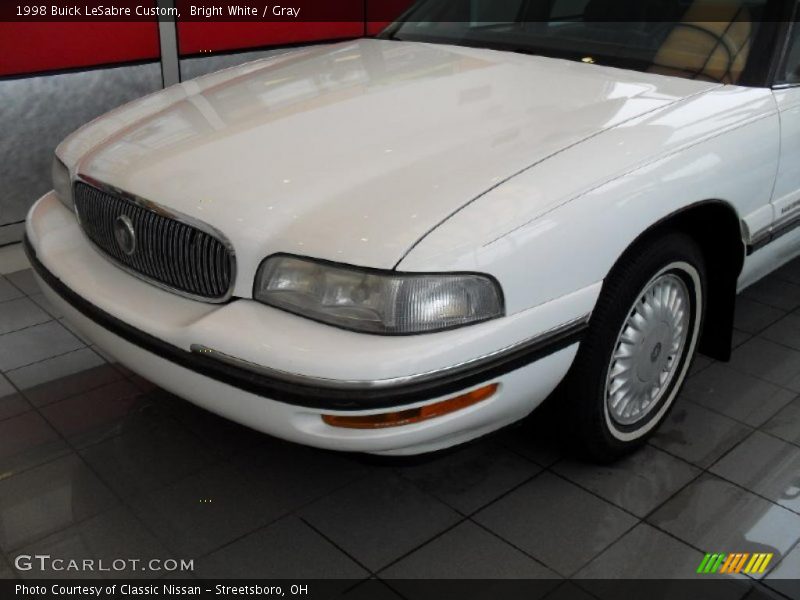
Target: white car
point(400, 244)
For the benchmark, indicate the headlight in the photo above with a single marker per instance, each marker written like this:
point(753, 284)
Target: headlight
point(62, 183)
point(374, 301)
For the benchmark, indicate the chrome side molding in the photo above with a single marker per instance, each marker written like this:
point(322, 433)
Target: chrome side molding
point(545, 343)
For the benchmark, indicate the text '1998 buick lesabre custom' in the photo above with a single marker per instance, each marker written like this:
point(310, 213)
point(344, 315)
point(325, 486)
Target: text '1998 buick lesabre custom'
point(395, 245)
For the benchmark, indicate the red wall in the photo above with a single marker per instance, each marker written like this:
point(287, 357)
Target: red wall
point(27, 48)
point(35, 47)
point(381, 13)
point(196, 37)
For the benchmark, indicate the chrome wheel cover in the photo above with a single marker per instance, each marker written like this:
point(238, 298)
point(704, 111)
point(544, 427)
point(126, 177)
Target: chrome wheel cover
point(648, 350)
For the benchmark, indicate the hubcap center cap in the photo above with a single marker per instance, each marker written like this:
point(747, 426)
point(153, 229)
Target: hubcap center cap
point(653, 354)
point(656, 352)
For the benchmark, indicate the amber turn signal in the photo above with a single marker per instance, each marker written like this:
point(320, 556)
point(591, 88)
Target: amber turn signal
point(412, 415)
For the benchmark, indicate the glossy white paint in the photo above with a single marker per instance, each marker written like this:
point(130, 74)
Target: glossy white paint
point(584, 206)
point(353, 152)
point(785, 204)
point(291, 343)
point(787, 185)
point(422, 157)
point(274, 338)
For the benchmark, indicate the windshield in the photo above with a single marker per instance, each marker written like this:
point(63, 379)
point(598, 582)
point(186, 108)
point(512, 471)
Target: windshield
point(710, 40)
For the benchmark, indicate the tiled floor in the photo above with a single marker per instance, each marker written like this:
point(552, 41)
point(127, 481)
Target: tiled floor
point(96, 462)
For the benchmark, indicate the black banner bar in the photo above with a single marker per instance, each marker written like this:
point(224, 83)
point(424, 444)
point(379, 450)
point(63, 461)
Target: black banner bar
point(709, 587)
point(294, 11)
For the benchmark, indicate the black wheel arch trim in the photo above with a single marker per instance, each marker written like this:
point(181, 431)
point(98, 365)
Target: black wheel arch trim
point(315, 396)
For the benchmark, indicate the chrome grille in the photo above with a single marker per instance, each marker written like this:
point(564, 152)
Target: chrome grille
point(166, 251)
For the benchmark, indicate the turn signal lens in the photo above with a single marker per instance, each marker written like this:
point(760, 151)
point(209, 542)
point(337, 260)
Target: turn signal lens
point(412, 415)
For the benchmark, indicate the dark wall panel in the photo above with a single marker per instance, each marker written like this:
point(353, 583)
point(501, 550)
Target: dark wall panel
point(38, 112)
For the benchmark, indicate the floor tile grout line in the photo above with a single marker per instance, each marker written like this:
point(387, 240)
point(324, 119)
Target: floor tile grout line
point(771, 341)
point(776, 437)
point(217, 458)
point(88, 390)
point(6, 559)
point(776, 273)
point(703, 551)
point(700, 370)
point(462, 519)
point(98, 476)
point(122, 498)
point(58, 433)
point(335, 545)
point(485, 439)
point(795, 546)
point(17, 299)
point(707, 471)
point(7, 277)
point(289, 513)
point(679, 458)
point(77, 523)
point(75, 449)
point(10, 331)
point(781, 386)
point(528, 554)
point(22, 393)
point(83, 447)
point(24, 399)
point(37, 465)
point(644, 519)
point(514, 449)
point(47, 308)
point(757, 331)
point(747, 292)
point(52, 357)
point(759, 336)
point(50, 319)
point(36, 362)
point(592, 492)
point(639, 519)
point(696, 402)
point(749, 580)
point(572, 577)
point(121, 502)
point(747, 425)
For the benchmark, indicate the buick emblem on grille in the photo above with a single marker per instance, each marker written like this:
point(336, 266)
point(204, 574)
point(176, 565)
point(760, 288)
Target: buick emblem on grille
point(125, 234)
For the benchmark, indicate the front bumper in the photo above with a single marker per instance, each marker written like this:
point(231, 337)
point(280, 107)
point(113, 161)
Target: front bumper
point(154, 333)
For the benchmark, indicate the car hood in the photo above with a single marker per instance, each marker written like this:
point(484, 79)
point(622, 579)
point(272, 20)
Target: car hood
point(353, 152)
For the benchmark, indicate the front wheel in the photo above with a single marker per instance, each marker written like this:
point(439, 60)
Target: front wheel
point(641, 340)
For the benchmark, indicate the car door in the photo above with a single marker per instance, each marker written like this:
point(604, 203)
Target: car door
point(786, 197)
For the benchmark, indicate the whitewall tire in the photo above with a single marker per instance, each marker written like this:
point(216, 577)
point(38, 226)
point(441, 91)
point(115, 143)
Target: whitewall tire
point(641, 341)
